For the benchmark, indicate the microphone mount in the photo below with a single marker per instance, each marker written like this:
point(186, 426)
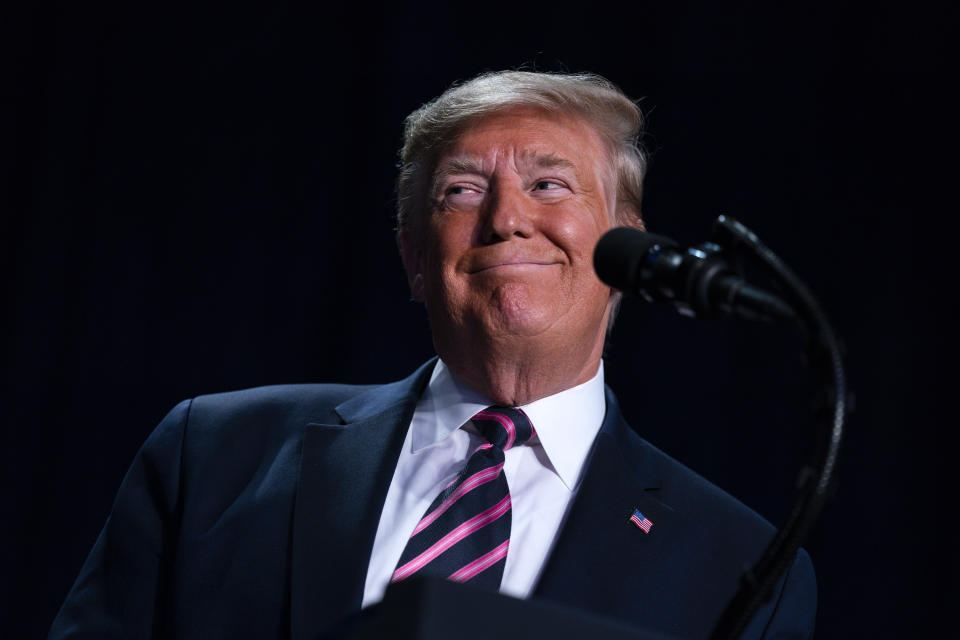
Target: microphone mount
point(701, 282)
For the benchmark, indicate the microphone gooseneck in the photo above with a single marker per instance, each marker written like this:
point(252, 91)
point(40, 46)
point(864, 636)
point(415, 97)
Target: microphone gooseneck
point(700, 282)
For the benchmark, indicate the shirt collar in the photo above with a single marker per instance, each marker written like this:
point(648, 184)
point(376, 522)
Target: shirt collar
point(566, 422)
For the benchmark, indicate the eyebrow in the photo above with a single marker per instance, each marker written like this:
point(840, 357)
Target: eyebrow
point(455, 165)
point(471, 165)
point(546, 161)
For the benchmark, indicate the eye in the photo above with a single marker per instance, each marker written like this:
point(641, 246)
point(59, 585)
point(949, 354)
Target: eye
point(462, 190)
point(546, 185)
point(462, 196)
point(550, 189)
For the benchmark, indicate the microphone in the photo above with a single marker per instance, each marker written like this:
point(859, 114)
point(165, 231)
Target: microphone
point(698, 280)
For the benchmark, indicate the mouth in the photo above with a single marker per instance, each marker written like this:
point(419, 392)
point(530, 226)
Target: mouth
point(513, 264)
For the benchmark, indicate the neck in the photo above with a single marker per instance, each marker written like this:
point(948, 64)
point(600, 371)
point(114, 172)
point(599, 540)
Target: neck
point(518, 374)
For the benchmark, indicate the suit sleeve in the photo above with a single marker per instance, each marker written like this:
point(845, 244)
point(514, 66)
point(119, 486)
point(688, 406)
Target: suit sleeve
point(118, 593)
point(792, 612)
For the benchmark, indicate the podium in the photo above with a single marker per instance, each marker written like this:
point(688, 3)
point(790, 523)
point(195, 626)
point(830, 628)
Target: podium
point(426, 608)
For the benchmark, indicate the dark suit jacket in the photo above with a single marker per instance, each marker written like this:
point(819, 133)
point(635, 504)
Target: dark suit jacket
point(253, 514)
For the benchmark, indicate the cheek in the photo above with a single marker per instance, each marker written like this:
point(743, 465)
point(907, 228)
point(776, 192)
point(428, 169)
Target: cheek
point(578, 234)
point(449, 241)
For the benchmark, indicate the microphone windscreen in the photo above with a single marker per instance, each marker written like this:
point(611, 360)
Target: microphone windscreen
point(620, 251)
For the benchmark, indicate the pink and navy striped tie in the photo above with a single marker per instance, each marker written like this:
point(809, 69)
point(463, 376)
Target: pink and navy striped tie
point(465, 534)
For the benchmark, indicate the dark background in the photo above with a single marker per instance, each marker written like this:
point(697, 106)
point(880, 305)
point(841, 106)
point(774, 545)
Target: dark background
point(198, 198)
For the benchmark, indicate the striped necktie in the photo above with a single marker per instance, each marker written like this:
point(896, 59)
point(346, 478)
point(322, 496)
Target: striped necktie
point(465, 534)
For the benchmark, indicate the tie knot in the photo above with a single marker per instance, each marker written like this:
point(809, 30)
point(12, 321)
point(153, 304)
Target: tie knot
point(504, 426)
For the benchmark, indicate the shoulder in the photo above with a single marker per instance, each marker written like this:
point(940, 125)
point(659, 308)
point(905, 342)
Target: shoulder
point(686, 494)
point(298, 402)
point(260, 418)
point(293, 405)
point(716, 536)
point(239, 451)
point(701, 501)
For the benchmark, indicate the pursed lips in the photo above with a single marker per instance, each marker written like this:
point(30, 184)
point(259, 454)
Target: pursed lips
point(518, 262)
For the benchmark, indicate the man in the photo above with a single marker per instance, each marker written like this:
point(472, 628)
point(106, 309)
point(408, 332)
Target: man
point(278, 511)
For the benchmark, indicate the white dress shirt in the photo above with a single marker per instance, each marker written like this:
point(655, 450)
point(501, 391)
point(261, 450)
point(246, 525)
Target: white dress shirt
point(543, 474)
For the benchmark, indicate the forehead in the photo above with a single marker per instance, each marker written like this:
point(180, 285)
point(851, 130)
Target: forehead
point(529, 137)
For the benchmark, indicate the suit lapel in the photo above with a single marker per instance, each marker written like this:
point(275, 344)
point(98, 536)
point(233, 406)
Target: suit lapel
point(599, 552)
point(345, 471)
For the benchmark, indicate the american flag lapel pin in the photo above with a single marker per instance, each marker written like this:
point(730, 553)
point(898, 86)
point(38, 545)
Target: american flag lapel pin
point(643, 522)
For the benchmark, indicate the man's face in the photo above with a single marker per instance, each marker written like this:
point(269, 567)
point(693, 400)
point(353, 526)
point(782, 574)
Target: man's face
point(506, 251)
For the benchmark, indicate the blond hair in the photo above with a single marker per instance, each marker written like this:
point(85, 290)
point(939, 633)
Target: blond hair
point(429, 130)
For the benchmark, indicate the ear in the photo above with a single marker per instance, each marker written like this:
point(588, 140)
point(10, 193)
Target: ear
point(411, 253)
point(627, 216)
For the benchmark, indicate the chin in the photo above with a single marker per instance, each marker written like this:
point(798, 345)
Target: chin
point(514, 308)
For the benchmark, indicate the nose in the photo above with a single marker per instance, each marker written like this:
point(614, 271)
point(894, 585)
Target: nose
point(508, 213)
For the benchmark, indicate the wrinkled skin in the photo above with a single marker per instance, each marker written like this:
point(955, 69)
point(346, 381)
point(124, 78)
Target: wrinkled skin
point(504, 258)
